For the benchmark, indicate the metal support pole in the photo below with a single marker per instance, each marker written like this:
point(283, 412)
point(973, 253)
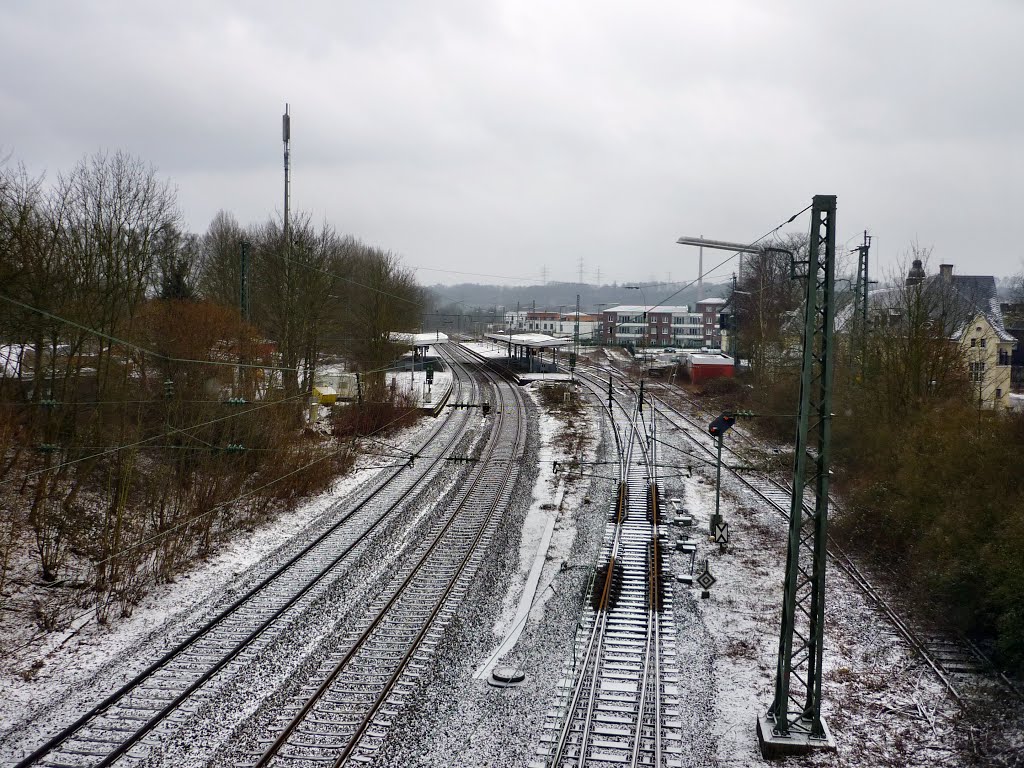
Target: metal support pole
point(717, 519)
point(243, 286)
point(609, 392)
point(861, 298)
point(575, 341)
point(793, 722)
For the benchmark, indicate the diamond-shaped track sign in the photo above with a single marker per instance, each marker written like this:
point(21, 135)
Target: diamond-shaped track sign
point(705, 580)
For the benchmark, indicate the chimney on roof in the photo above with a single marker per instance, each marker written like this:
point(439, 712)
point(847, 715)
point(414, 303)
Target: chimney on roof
point(916, 274)
point(946, 272)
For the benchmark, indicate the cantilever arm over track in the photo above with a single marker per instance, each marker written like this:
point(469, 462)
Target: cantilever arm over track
point(721, 245)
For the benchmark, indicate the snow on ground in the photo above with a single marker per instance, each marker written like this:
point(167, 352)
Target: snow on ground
point(10, 359)
point(493, 351)
point(40, 669)
point(416, 383)
point(486, 349)
point(542, 549)
point(618, 355)
point(884, 706)
point(461, 721)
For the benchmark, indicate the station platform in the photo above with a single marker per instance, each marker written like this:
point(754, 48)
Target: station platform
point(429, 398)
point(497, 353)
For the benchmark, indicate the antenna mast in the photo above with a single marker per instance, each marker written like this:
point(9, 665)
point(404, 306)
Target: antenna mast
point(286, 135)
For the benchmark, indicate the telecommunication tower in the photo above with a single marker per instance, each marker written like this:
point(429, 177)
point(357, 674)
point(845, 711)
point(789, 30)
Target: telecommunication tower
point(286, 135)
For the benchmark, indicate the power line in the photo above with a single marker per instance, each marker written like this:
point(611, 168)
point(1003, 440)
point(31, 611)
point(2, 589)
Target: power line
point(354, 282)
point(172, 431)
point(722, 263)
point(241, 497)
point(133, 345)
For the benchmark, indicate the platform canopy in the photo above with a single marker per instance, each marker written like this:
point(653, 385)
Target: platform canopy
point(531, 340)
point(417, 339)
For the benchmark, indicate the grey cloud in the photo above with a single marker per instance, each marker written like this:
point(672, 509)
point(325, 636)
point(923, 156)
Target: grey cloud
point(529, 132)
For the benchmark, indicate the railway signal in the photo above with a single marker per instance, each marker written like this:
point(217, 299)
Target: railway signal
point(718, 428)
point(721, 425)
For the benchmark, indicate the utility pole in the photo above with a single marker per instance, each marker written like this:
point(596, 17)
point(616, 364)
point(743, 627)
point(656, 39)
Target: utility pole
point(243, 307)
point(700, 272)
point(286, 137)
point(860, 297)
point(793, 723)
point(575, 340)
point(243, 288)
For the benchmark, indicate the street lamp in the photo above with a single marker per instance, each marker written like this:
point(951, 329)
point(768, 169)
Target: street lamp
point(721, 245)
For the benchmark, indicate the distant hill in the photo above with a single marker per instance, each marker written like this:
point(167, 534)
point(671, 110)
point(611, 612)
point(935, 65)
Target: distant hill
point(554, 296)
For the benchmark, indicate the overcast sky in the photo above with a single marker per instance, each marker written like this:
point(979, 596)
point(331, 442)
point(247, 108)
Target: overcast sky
point(503, 137)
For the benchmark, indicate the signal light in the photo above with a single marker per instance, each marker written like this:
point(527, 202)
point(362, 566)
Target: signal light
point(721, 425)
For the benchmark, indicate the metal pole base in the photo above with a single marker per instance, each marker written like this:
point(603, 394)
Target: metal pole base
point(798, 742)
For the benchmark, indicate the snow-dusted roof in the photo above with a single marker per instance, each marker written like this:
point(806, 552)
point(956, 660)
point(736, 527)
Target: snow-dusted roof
point(417, 339)
point(710, 359)
point(638, 309)
point(529, 339)
point(715, 301)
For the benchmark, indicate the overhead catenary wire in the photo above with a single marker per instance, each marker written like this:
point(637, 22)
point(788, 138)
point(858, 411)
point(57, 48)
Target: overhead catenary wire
point(237, 499)
point(725, 261)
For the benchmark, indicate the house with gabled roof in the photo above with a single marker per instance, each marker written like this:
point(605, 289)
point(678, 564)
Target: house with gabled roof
point(967, 309)
point(974, 321)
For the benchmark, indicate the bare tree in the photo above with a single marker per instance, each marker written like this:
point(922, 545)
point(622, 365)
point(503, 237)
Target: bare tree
point(909, 353)
point(219, 273)
point(766, 299)
point(379, 296)
point(120, 222)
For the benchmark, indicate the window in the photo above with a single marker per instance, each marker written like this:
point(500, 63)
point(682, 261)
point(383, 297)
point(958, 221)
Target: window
point(982, 343)
point(999, 392)
point(974, 342)
point(977, 371)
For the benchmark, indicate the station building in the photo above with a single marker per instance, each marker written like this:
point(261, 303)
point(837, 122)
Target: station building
point(555, 323)
point(665, 326)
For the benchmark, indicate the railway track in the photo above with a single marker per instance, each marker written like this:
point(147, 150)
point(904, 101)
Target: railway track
point(620, 701)
point(960, 665)
point(342, 712)
point(133, 720)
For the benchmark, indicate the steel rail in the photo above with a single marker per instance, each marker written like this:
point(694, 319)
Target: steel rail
point(359, 644)
point(648, 706)
point(841, 559)
point(844, 562)
point(54, 744)
point(600, 620)
point(396, 676)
